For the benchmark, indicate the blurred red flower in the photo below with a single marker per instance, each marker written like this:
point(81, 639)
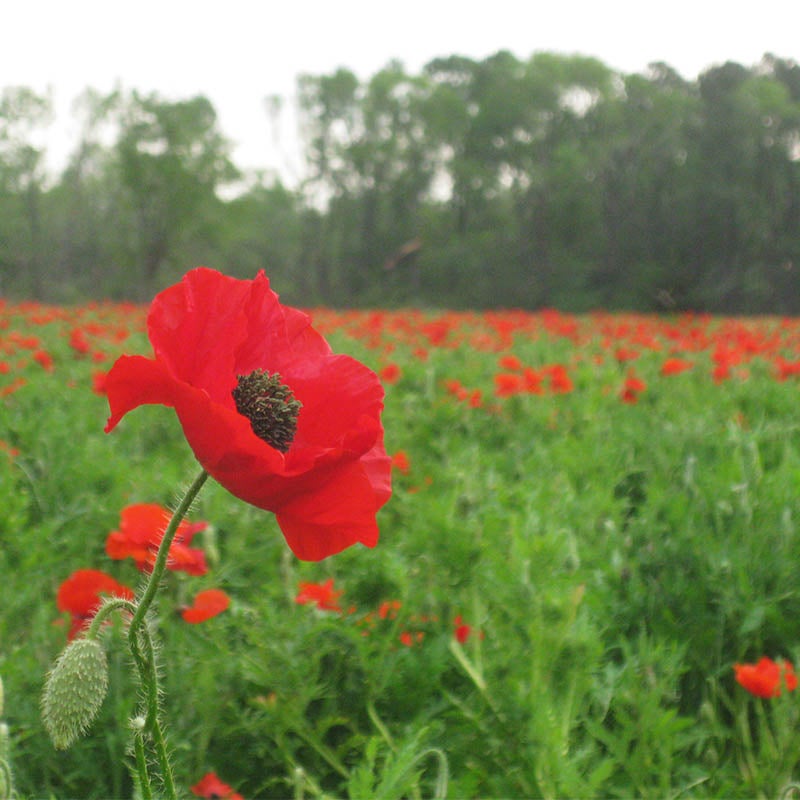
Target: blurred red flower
point(209, 332)
point(322, 595)
point(99, 382)
point(674, 366)
point(510, 362)
point(507, 384)
point(141, 529)
point(210, 786)
point(391, 373)
point(82, 593)
point(401, 462)
point(560, 382)
point(44, 359)
point(765, 678)
point(632, 388)
point(207, 604)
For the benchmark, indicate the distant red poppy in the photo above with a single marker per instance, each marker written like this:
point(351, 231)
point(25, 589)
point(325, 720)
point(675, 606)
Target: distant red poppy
point(322, 469)
point(391, 373)
point(82, 593)
point(99, 382)
point(560, 381)
point(388, 609)
point(401, 462)
point(409, 639)
point(765, 678)
point(44, 359)
point(78, 341)
point(461, 629)
point(207, 604)
point(507, 384)
point(322, 595)
point(141, 529)
point(210, 786)
point(510, 362)
point(674, 366)
point(632, 388)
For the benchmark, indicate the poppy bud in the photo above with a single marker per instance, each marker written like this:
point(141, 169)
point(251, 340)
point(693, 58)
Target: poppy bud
point(74, 691)
point(269, 405)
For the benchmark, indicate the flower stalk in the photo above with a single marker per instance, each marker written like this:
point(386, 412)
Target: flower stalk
point(140, 642)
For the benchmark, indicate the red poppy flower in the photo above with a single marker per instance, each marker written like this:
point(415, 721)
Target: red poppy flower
point(44, 359)
point(81, 595)
point(141, 528)
point(207, 604)
point(560, 382)
point(322, 595)
point(401, 462)
point(510, 362)
point(211, 786)
point(674, 366)
point(507, 384)
point(765, 678)
point(99, 382)
point(211, 335)
point(391, 373)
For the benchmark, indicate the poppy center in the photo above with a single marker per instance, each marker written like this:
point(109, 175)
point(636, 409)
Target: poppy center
point(269, 405)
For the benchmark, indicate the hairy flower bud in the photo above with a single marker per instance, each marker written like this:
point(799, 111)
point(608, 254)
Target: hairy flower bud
point(74, 691)
point(269, 405)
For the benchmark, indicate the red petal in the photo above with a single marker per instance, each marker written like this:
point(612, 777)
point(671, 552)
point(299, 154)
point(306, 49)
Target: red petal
point(207, 604)
point(331, 516)
point(80, 592)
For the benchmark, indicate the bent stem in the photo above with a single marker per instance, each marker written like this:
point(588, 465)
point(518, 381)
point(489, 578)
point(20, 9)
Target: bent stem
point(140, 642)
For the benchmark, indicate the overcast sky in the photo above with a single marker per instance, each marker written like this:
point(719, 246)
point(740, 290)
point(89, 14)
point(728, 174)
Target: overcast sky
point(238, 52)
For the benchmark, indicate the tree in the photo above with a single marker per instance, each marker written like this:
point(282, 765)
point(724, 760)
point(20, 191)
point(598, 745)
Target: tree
point(22, 180)
point(172, 158)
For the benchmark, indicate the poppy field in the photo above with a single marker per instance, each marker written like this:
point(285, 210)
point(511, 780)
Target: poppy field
point(586, 584)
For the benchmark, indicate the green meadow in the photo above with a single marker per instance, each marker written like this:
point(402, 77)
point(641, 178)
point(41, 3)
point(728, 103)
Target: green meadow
point(581, 543)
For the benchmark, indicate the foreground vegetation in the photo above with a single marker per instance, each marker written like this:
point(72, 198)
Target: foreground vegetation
point(594, 518)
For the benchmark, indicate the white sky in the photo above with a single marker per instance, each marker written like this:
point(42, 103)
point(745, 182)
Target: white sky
point(238, 52)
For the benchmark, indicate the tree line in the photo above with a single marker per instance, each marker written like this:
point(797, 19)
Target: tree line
point(552, 181)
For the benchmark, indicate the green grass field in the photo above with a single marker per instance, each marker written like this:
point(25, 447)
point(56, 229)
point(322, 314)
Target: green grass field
point(594, 518)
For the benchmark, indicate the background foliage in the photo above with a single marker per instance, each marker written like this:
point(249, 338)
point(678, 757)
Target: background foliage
point(551, 181)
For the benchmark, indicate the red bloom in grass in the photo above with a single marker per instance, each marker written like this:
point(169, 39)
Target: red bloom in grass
point(786, 369)
point(401, 462)
point(674, 366)
point(560, 382)
point(461, 629)
point(78, 341)
point(510, 362)
point(765, 678)
point(99, 382)
point(141, 529)
point(409, 639)
point(81, 595)
point(18, 383)
point(207, 604)
point(388, 609)
point(322, 595)
point(303, 438)
point(44, 359)
point(9, 450)
point(210, 786)
point(391, 373)
point(507, 384)
point(633, 387)
point(626, 354)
